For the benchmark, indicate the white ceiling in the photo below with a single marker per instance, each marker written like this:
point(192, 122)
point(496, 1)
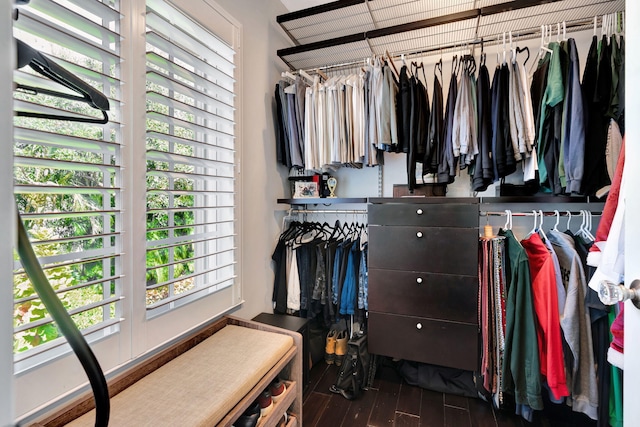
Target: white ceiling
point(293, 5)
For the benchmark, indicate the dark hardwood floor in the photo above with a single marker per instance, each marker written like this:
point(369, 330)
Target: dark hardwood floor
point(392, 402)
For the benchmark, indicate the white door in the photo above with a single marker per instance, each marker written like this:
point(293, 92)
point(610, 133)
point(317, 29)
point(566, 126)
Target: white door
point(632, 218)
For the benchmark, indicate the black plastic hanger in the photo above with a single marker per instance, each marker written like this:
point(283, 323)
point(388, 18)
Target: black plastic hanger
point(40, 63)
point(437, 68)
point(523, 49)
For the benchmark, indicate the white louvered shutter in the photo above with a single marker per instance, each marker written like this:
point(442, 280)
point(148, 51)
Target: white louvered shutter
point(190, 196)
point(67, 175)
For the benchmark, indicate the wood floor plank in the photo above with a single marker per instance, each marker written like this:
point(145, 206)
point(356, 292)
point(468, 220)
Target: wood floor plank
point(360, 410)
point(335, 411)
point(384, 408)
point(456, 401)
point(327, 380)
point(313, 408)
point(315, 375)
point(409, 399)
point(431, 409)
point(456, 417)
point(406, 420)
point(481, 413)
point(505, 419)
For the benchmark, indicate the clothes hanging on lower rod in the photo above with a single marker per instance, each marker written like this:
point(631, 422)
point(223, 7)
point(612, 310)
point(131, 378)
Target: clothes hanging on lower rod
point(535, 349)
point(321, 270)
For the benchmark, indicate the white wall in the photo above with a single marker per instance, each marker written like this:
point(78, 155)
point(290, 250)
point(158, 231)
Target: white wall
point(7, 218)
point(262, 182)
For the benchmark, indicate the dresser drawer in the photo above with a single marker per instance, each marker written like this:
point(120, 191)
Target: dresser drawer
point(432, 249)
point(422, 340)
point(433, 296)
point(424, 214)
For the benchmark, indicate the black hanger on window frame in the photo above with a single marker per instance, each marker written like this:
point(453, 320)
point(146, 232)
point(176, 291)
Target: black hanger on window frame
point(48, 68)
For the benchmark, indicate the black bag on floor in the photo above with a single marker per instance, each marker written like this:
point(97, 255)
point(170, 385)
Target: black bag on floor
point(354, 374)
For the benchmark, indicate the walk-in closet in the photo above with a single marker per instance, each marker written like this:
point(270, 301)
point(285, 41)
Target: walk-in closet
point(485, 142)
point(356, 213)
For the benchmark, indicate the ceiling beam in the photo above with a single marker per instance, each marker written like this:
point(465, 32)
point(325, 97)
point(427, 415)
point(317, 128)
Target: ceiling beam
point(315, 10)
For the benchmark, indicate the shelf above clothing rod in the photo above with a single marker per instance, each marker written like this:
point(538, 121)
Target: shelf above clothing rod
point(329, 211)
point(355, 31)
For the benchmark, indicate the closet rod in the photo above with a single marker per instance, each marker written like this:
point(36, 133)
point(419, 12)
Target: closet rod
point(545, 213)
point(575, 25)
point(328, 211)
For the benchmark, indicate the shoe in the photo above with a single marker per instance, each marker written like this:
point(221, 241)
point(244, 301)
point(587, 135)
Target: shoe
point(250, 417)
point(277, 389)
point(266, 403)
point(341, 347)
point(330, 348)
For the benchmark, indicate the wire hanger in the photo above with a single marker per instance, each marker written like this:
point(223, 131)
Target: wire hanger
point(46, 67)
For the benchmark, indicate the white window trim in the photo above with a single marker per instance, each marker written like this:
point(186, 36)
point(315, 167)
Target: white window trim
point(7, 217)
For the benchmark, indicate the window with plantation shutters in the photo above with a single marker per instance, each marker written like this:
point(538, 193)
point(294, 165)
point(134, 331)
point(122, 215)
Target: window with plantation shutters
point(67, 175)
point(190, 160)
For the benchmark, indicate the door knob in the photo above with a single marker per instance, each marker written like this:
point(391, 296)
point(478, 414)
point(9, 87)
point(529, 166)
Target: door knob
point(419, 211)
point(419, 326)
point(610, 293)
point(419, 280)
point(419, 234)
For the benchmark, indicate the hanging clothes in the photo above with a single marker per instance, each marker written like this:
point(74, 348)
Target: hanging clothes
point(576, 328)
point(319, 270)
point(521, 359)
point(433, 154)
point(549, 130)
point(464, 133)
point(545, 301)
point(596, 87)
point(415, 146)
point(503, 158)
point(448, 162)
point(403, 105)
point(573, 126)
point(483, 174)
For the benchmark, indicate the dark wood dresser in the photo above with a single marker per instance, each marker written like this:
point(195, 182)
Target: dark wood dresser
point(423, 280)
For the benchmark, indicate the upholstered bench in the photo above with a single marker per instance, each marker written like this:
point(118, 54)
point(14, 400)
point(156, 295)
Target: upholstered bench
point(213, 382)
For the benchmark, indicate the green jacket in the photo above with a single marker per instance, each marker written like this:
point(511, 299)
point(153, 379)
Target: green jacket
point(521, 367)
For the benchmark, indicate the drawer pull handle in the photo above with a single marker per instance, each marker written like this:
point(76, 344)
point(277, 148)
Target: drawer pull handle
point(419, 326)
point(419, 280)
point(419, 211)
point(419, 234)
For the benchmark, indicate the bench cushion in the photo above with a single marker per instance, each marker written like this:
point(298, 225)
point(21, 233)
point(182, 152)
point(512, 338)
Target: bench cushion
point(199, 387)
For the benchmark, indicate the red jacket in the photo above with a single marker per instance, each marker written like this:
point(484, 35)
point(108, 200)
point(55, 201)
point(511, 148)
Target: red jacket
point(545, 303)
